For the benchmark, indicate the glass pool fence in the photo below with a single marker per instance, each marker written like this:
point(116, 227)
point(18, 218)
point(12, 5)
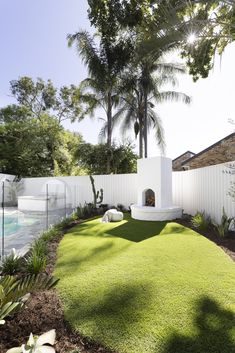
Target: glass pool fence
point(23, 218)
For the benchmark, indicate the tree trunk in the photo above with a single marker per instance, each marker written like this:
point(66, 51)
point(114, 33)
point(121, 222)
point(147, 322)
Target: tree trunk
point(109, 131)
point(145, 127)
point(141, 136)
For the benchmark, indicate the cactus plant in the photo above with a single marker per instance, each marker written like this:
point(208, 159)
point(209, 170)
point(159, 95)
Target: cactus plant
point(97, 195)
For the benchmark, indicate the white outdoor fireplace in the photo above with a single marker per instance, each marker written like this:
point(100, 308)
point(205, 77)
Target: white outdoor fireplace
point(154, 188)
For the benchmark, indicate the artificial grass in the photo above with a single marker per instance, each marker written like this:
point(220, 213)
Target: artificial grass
point(147, 287)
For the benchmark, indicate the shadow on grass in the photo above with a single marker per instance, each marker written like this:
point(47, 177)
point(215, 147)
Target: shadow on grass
point(98, 254)
point(132, 230)
point(112, 315)
point(214, 326)
point(137, 231)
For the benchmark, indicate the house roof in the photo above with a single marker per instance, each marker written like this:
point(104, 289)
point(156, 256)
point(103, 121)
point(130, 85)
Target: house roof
point(183, 155)
point(208, 148)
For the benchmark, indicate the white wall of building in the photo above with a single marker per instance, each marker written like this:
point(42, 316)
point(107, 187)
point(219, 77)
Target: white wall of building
point(203, 189)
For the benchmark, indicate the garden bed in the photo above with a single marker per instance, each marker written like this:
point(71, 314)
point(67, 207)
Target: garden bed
point(42, 313)
point(44, 310)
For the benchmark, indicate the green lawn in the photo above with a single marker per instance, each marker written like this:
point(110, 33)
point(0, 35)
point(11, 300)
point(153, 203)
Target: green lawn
point(147, 287)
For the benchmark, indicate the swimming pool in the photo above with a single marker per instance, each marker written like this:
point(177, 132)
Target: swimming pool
point(13, 222)
point(22, 228)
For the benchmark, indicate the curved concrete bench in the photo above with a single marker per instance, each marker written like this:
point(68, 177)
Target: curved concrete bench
point(148, 213)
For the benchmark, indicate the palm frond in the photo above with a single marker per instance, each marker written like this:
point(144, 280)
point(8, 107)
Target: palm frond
point(103, 133)
point(170, 68)
point(86, 48)
point(156, 122)
point(172, 96)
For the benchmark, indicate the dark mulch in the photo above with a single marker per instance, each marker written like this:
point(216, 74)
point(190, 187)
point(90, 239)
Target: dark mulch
point(42, 313)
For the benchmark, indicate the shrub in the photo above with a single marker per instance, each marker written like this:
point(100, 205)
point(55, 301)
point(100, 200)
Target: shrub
point(35, 264)
point(103, 208)
point(200, 221)
point(121, 207)
point(10, 264)
point(81, 211)
point(222, 229)
point(86, 211)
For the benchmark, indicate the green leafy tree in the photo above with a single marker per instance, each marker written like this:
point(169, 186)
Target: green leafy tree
point(42, 97)
point(121, 14)
point(92, 158)
point(213, 25)
point(33, 147)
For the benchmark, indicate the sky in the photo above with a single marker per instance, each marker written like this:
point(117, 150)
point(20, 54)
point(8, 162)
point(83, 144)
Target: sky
point(33, 43)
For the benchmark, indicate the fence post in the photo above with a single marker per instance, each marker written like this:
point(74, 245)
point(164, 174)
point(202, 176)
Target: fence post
point(3, 219)
point(47, 206)
point(65, 210)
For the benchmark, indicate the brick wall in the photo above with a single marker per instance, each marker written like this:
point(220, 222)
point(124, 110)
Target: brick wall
point(221, 152)
point(177, 163)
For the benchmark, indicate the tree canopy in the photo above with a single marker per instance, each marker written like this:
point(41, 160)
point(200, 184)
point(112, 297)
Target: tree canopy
point(41, 97)
point(92, 158)
point(35, 148)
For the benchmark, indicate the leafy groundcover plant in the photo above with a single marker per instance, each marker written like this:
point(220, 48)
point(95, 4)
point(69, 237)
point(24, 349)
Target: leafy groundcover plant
point(37, 344)
point(222, 228)
point(15, 291)
point(10, 264)
point(200, 221)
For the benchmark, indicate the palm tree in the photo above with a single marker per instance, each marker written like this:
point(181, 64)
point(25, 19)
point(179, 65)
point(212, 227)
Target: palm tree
point(154, 75)
point(141, 92)
point(104, 64)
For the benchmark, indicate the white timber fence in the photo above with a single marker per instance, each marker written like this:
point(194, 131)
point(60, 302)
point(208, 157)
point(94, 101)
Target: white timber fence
point(203, 189)
point(117, 188)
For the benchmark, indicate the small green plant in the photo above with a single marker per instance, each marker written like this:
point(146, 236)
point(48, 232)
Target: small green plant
point(98, 196)
point(35, 263)
point(36, 344)
point(222, 229)
point(64, 223)
point(50, 234)
point(15, 291)
point(80, 211)
point(10, 264)
point(86, 211)
point(200, 221)
point(74, 216)
point(39, 247)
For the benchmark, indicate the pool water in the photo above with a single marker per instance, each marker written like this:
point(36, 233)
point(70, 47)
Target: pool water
point(14, 222)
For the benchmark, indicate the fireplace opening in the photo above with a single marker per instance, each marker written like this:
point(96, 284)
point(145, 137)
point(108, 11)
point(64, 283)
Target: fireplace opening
point(149, 198)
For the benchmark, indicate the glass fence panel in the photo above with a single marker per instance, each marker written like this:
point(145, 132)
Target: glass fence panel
point(24, 217)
